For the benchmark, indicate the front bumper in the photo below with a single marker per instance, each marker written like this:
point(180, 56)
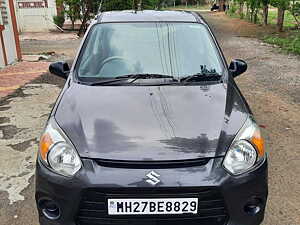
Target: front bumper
point(210, 182)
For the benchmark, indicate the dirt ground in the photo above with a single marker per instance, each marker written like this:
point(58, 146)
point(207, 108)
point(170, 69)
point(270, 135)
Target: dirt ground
point(271, 86)
point(63, 45)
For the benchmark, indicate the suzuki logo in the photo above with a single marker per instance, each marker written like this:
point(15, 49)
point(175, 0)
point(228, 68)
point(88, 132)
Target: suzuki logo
point(153, 178)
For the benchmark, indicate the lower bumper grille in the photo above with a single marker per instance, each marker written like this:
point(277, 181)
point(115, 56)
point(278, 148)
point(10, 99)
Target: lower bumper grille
point(93, 208)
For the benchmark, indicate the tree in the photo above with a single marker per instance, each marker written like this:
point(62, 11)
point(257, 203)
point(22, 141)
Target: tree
point(222, 4)
point(265, 7)
point(158, 4)
point(72, 9)
point(282, 6)
point(110, 5)
point(241, 4)
point(88, 7)
point(295, 11)
point(254, 6)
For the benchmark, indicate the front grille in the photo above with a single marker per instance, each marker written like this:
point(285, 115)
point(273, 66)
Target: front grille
point(152, 164)
point(93, 208)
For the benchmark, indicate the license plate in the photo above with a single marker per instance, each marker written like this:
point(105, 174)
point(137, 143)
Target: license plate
point(152, 206)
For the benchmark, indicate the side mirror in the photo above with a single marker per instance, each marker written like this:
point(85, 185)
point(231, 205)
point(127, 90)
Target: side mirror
point(60, 69)
point(237, 67)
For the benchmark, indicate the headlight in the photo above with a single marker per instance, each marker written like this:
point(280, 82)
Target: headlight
point(57, 152)
point(247, 149)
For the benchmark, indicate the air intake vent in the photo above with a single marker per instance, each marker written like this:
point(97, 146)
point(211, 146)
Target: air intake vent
point(152, 164)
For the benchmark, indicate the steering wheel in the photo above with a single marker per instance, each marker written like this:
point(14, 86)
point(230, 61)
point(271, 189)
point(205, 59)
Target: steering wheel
point(109, 59)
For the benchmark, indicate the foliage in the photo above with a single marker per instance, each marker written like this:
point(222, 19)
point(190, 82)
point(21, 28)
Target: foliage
point(289, 21)
point(110, 5)
point(149, 4)
point(232, 10)
point(158, 3)
point(295, 11)
point(71, 9)
point(59, 20)
point(87, 10)
point(254, 7)
point(237, 6)
point(289, 44)
point(116, 5)
point(265, 2)
point(282, 4)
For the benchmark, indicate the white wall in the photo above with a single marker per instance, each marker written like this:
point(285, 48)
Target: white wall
point(35, 19)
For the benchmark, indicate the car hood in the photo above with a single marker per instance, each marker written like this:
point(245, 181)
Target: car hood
point(145, 123)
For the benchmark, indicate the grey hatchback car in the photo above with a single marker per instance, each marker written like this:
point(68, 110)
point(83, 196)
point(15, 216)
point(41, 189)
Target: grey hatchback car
point(151, 128)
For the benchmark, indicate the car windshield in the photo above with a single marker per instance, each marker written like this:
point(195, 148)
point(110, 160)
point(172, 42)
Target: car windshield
point(175, 49)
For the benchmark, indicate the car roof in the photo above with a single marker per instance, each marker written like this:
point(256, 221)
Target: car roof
point(149, 16)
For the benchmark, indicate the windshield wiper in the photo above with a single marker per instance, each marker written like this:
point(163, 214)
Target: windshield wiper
point(146, 76)
point(204, 75)
point(132, 76)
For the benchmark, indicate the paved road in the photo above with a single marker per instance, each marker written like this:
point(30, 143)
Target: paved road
point(271, 86)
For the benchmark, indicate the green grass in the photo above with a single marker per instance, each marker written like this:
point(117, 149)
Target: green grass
point(289, 43)
point(289, 21)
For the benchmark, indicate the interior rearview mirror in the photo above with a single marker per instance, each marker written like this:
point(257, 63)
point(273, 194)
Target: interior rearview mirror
point(60, 69)
point(237, 67)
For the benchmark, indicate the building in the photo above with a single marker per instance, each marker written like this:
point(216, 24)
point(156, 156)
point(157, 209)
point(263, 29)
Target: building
point(10, 50)
point(35, 15)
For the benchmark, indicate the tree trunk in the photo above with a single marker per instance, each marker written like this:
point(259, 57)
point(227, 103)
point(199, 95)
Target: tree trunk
point(73, 24)
point(280, 19)
point(255, 16)
point(251, 16)
point(241, 10)
point(265, 14)
point(135, 5)
point(221, 5)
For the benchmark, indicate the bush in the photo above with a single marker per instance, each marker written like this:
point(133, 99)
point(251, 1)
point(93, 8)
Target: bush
point(59, 20)
point(232, 10)
point(117, 5)
point(289, 44)
point(295, 11)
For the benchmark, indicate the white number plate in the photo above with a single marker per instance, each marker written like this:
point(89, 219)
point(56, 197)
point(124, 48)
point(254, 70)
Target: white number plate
point(152, 206)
